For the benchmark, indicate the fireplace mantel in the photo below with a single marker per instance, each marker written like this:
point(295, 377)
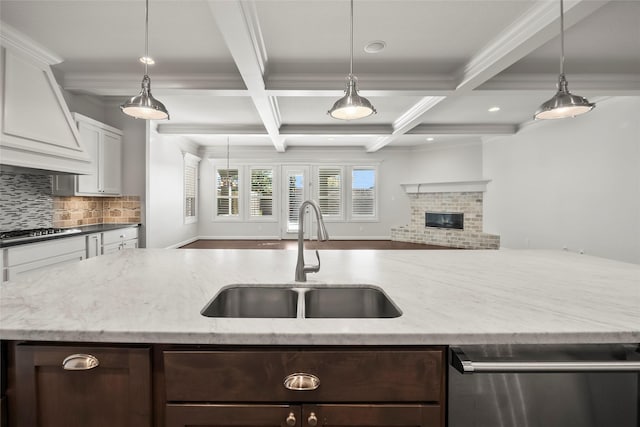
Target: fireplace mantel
point(446, 187)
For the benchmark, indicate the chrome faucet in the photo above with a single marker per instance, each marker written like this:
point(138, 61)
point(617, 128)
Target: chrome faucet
point(301, 268)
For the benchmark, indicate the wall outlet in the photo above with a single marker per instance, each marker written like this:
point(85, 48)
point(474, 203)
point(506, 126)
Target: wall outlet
point(581, 251)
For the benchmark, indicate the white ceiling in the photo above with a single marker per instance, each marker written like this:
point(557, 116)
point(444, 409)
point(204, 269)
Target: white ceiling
point(266, 71)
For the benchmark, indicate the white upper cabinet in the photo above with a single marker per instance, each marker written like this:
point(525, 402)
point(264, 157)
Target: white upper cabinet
point(104, 145)
point(37, 130)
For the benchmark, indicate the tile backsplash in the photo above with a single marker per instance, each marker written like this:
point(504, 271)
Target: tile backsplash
point(26, 202)
point(74, 211)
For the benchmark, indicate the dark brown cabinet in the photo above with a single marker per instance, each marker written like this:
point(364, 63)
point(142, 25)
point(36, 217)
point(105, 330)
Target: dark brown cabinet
point(121, 385)
point(69, 386)
point(369, 387)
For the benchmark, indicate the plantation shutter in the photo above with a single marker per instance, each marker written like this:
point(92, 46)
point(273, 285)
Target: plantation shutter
point(190, 183)
point(295, 197)
point(330, 191)
point(227, 192)
point(261, 200)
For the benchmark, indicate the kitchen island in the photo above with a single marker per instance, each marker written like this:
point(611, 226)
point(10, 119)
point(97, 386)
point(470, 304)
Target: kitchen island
point(446, 298)
point(120, 337)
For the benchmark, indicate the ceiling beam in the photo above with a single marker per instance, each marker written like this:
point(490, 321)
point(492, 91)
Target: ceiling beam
point(406, 121)
point(464, 129)
point(238, 22)
point(335, 130)
point(210, 129)
point(536, 27)
point(125, 84)
point(594, 84)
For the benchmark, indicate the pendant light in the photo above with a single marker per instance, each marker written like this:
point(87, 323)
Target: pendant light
point(351, 106)
point(144, 105)
point(564, 103)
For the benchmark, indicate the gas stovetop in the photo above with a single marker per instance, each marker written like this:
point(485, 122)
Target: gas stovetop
point(34, 233)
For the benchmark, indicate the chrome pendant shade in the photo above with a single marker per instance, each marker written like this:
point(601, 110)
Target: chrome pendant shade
point(563, 104)
point(144, 105)
point(351, 106)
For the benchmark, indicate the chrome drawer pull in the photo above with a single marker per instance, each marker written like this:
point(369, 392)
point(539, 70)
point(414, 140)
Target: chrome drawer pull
point(301, 381)
point(80, 362)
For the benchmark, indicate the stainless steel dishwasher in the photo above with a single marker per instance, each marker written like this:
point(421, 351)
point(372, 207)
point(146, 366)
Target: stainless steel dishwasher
point(544, 386)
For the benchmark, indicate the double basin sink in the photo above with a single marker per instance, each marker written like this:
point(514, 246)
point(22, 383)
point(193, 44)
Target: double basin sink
point(273, 301)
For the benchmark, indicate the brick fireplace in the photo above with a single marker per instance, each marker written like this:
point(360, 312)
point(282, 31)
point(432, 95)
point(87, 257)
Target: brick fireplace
point(445, 200)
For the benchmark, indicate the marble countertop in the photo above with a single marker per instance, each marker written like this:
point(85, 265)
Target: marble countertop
point(447, 297)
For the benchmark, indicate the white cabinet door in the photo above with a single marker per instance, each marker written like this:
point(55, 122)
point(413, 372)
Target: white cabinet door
point(90, 136)
point(111, 169)
point(104, 145)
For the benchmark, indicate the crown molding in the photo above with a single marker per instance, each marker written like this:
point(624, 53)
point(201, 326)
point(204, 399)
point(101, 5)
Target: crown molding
point(14, 39)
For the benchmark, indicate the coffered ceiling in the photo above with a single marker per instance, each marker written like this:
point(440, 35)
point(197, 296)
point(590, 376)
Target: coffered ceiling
point(267, 71)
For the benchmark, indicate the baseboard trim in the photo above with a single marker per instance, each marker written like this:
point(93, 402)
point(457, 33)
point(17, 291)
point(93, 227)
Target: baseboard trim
point(185, 242)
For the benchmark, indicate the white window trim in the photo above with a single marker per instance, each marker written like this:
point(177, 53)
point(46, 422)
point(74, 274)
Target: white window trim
point(274, 196)
point(316, 194)
point(189, 159)
point(220, 164)
point(376, 206)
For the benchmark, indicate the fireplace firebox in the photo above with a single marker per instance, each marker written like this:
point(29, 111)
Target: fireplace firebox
point(444, 220)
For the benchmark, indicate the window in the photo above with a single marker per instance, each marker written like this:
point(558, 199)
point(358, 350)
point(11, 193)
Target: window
point(191, 163)
point(261, 197)
point(330, 191)
point(363, 193)
point(227, 193)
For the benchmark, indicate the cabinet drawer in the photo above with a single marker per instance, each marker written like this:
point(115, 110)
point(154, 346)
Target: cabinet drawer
point(117, 236)
point(23, 254)
point(371, 375)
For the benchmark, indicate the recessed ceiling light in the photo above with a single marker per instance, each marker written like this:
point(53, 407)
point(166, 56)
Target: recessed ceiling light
point(375, 46)
point(147, 60)
point(430, 139)
point(494, 109)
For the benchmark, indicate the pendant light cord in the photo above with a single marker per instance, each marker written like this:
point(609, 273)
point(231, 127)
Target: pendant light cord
point(146, 36)
point(228, 179)
point(351, 41)
point(561, 38)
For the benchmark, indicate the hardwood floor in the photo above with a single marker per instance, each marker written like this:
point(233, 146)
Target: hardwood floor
point(292, 244)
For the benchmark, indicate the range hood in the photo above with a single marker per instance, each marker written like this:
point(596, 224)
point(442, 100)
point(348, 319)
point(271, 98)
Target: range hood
point(37, 129)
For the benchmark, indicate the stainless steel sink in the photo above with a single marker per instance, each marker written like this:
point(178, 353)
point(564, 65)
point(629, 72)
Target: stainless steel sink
point(273, 301)
point(349, 302)
point(248, 301)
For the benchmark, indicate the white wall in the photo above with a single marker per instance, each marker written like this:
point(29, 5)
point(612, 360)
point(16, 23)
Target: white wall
point(165, 219)
point(571, 183)
point(449, 160)
point(393, 204)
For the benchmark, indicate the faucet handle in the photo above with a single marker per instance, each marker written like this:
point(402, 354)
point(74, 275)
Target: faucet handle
point(313, 268)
